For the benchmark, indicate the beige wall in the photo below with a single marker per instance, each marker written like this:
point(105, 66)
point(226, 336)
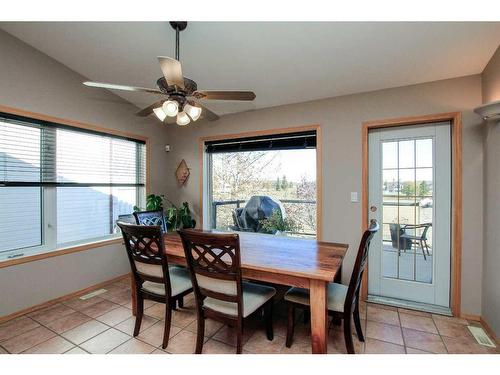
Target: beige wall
point(491, 256)
point(491, 79)
point(32, 81)
point(340, 119)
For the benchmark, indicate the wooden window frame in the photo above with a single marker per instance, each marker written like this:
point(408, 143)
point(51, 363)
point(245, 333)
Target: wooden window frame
point(319, 183)
point(455, 119)
point(77, 125)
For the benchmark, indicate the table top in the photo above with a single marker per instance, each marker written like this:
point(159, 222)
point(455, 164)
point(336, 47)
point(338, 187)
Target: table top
point(289, 256)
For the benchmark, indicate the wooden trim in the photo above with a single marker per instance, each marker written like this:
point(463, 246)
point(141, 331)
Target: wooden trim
point(456, 207)
point(58, 252)
point(455, 119)
point(201, 153)
point(319, 187)
point(61, 299)
point(319, 184)
point(148, 167)
point(488, 330)
point(73, 123)
point(474, 318)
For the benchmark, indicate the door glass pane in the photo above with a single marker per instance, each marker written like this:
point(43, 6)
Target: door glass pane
point(407, 212)
point(390, 183)
point(390, 212)
point(407, 183)
point(407, 154)
point(423, 150)
point(423, 177)
point(390, 251)
point(390, 154)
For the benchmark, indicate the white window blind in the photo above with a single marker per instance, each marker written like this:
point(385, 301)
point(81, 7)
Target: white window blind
point(63, 185)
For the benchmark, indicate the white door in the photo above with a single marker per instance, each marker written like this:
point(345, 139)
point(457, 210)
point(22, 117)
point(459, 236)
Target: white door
point(410, 195)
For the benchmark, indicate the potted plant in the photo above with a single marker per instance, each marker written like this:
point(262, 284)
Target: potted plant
point(176, 217)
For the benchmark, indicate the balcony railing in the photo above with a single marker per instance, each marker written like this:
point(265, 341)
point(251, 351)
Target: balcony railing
point(240, 202)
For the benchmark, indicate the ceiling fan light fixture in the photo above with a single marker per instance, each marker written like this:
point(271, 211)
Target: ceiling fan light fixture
point(193, 111)
point(160, 113)
point(171, 108)
point(183, 118)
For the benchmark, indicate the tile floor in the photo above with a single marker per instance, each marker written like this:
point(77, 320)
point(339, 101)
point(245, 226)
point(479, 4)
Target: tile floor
point(104, 324)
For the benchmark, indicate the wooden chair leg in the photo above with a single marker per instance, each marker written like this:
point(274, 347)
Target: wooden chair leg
point(239, 337)
point(357, 323)
point(290, 326)
point(180, 302)
point(140, 313)
point(168, 321)
point(348, 335)
point(268, 314)
point(200, 333)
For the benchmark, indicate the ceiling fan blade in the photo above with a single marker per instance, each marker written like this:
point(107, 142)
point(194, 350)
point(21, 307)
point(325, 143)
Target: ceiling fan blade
point(224, 95)
point(149, 110)
point(205, 113)
point(172, 71)
point(121, 87)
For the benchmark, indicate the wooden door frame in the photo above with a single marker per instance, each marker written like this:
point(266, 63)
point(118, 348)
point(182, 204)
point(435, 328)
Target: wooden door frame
point(455, 119)
point(319, 183)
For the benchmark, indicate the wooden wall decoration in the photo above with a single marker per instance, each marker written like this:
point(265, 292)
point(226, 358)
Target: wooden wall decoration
point(182, 172)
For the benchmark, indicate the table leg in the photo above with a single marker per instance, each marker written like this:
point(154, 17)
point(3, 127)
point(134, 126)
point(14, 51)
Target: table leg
point(319, 320)
point(133, 295)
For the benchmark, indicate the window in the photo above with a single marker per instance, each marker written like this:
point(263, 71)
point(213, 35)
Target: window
point(61, 186)
point(264, 184)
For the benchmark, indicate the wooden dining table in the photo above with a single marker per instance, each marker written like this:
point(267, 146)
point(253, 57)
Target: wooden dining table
point(289, 261)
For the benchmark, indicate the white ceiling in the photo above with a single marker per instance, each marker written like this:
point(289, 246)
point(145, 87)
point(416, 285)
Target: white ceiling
point(283, 62)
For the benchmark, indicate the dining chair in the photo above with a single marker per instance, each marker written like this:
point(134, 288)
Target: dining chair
point(157, 217)
point(153, 217)
point(214, 262)
point(153, 278)
point(343, 301)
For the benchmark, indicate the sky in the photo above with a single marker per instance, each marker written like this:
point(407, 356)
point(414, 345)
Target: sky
point(293, 164)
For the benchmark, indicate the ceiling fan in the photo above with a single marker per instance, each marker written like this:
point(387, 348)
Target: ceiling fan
point(181, 93)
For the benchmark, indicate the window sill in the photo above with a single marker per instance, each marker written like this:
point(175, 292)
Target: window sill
point(60, 251)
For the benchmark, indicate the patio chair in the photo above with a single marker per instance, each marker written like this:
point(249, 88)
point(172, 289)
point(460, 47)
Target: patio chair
point(419, 240)
point(398, 242)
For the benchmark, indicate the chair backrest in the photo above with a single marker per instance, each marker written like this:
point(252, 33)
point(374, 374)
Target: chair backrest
point(214, 262)
point(146, 253)
point(359, 266)
point(155, 217)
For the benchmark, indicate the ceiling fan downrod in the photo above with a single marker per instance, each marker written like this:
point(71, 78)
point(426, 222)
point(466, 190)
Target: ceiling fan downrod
point(178, 26)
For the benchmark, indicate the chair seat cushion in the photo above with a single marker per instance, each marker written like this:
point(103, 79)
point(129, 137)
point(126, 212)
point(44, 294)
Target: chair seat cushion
point(254, 296)
point(336, 296)
point(179, 281)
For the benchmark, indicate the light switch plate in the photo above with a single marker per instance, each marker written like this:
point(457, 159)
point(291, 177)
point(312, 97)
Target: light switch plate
point(354, 196)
